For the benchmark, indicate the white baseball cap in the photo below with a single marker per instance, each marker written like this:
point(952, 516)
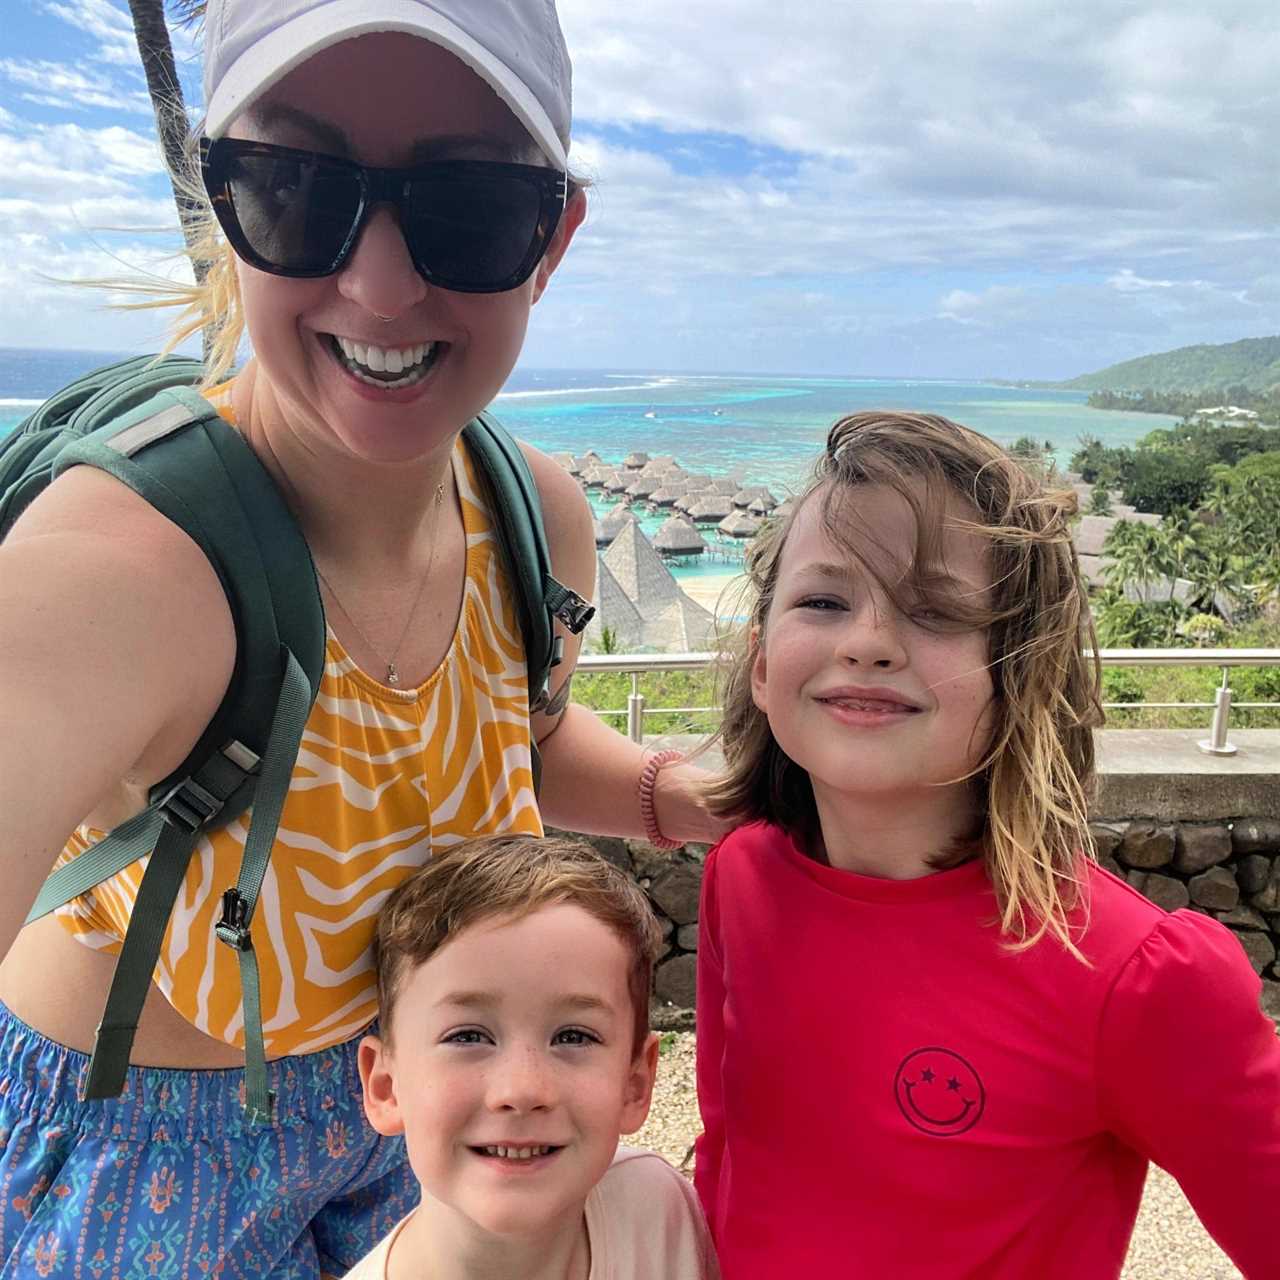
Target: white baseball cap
point(515, 46)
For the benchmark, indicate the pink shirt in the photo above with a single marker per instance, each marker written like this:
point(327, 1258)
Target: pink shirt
point(889, 1091)
point(643, 1223)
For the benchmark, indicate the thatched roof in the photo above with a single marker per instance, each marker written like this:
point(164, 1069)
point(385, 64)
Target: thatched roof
point(739, 525)
point(639, 570)
point(642, 486)
point(760, 507)
point(659, 466)
point(615, 610)
point(681, 626)
point(567, 461)
point(668, 494)
point(726, 486)
point(589, 459)
point(678, 537)
point(635, 459)
point(611, 524)
point(617, 481)
point(745, 497)
point(710, 507)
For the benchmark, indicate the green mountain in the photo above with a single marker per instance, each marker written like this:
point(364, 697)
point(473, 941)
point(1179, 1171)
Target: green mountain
point(1252, 362)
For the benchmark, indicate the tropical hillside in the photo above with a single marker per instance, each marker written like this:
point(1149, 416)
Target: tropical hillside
point(1252, 363)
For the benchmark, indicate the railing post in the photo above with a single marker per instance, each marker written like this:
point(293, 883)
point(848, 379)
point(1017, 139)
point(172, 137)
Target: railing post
point(1216, 744)
point(635, 710)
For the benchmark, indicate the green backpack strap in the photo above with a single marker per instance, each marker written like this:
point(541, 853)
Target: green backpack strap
point(177, 453)
point(517, 514)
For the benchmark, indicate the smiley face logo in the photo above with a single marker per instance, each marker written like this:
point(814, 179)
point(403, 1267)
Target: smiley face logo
point(939, 1092)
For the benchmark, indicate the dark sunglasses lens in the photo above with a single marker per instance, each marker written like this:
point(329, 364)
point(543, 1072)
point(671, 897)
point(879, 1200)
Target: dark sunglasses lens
point(296, 214)
point(474, 231)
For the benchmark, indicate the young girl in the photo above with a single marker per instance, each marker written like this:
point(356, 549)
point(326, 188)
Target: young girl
point(935, 1039)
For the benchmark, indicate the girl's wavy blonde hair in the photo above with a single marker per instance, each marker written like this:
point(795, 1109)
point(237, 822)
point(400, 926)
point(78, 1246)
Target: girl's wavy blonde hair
point(1035, 775)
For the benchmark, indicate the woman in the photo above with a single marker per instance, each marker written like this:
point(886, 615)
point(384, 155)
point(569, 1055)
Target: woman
point(116, 643)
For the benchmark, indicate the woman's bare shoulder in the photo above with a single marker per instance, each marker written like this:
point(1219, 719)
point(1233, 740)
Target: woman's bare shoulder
point(97, 584)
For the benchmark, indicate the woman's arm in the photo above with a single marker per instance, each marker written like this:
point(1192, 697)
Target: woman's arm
point(116, 644)
point(590, 771)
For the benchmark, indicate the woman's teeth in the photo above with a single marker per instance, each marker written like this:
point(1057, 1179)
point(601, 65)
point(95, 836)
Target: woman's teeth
point(389, 367)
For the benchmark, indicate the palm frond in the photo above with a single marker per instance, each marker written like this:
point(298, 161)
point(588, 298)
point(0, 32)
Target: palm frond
point(188, 13)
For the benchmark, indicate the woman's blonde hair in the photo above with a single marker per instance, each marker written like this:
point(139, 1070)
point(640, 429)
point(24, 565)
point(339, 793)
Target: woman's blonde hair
point(1035, 774)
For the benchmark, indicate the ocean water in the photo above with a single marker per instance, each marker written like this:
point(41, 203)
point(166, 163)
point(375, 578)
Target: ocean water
point(763, 429)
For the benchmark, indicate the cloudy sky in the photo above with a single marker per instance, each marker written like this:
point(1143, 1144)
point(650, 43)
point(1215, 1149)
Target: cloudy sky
point(918, 188)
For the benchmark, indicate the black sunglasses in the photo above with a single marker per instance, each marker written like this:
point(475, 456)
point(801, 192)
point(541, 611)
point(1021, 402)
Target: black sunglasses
point(474, 226)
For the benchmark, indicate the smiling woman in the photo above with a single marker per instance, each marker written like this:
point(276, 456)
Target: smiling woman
point(385, 277)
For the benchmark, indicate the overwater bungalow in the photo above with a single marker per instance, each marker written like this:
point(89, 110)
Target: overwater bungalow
point(709, 508)
point(635, 460)
point(739, 525)
point(679, 539)
point(642, 486)
point(668, 493)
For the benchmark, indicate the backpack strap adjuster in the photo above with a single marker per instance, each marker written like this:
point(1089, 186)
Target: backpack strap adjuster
point(568, 607)
point(189, 806)
point(233, 927)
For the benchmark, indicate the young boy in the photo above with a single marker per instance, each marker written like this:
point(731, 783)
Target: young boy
point(513, 1049)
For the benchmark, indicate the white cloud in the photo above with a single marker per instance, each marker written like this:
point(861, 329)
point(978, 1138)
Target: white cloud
point(55, 84)
point(110, 26)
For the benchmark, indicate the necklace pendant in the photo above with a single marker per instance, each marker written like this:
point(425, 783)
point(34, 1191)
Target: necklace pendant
point(393, 676)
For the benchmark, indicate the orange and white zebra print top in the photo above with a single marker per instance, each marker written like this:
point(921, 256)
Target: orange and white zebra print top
point(384, 777)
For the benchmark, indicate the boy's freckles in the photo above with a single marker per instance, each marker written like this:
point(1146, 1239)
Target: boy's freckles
point(511, 1071)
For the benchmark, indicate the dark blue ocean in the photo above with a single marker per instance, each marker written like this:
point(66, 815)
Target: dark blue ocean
point(762, 428)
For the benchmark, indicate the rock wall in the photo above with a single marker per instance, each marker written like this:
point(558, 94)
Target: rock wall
point(1229, 870)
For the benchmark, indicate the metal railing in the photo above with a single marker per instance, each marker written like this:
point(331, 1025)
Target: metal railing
point(637, 664)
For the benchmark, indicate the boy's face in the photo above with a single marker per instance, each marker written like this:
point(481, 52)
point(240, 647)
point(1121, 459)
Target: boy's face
point(515, 1037)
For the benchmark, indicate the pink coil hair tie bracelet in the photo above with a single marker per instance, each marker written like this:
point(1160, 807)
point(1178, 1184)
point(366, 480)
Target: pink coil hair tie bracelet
point(648, 779)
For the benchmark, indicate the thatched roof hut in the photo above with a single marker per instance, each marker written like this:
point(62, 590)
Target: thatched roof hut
point(589, 459)
point(725, 486)
point(682, 626)
point(659, 466)
point(635, 460)
point(745, 497)
point(616, 481)
point(760, 507)
point(668, 494)
point(612, 523)
point(642, 486)
point(615, 610)
point(678, 537)
point(709, 508)
point(640, 571)
point(567, 461)
point(739, 525)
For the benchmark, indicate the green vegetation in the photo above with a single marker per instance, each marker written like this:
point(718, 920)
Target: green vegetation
point(1250, 366)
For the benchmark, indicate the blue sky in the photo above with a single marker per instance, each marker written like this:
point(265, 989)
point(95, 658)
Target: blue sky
point(921, 188)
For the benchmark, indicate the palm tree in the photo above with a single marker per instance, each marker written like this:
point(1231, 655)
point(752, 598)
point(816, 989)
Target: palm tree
point(156, 51)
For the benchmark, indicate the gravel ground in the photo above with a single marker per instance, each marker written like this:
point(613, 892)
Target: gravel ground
point(1168, 1242)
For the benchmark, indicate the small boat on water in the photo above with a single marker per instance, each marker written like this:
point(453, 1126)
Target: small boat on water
point(651, 414)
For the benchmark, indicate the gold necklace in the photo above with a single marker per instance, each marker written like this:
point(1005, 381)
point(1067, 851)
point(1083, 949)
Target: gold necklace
point(393, 673)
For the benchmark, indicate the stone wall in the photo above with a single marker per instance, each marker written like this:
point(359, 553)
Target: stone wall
point(1227, 869)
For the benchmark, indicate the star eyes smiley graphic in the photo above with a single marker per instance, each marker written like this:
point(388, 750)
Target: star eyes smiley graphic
point(939, 1092)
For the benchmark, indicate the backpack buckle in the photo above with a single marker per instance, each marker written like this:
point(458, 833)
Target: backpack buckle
point(189, 806)
point(575, 613)
point(233, 925)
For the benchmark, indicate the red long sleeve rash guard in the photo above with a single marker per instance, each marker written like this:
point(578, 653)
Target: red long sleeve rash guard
point(889, 1093)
